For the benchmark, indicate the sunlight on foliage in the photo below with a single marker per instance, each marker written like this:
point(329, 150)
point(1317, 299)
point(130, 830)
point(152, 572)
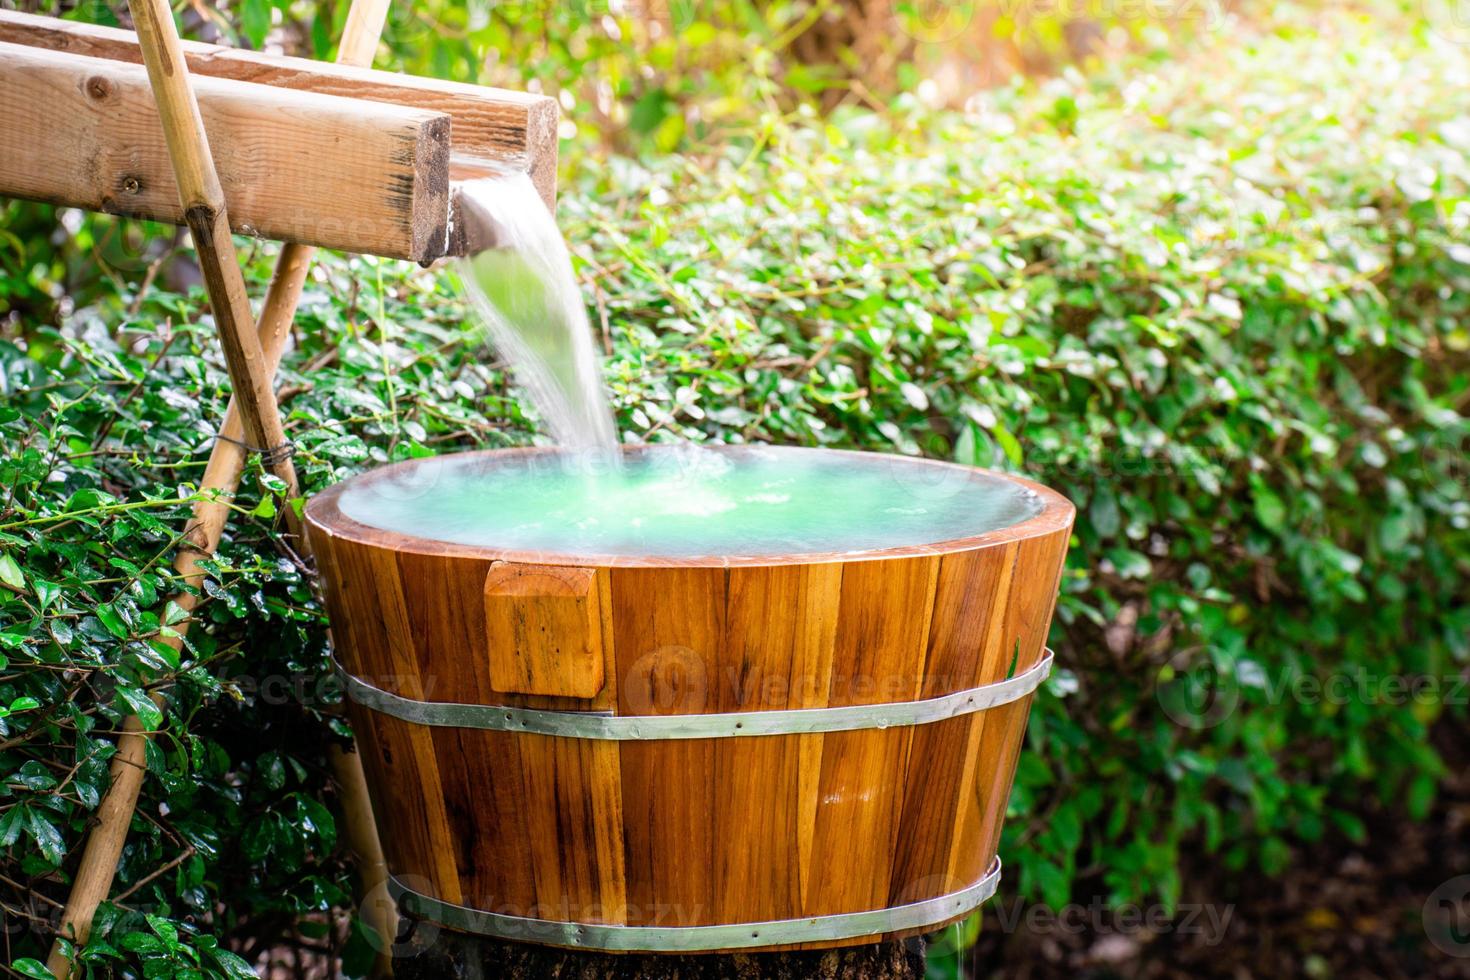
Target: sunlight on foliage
point(1224, 312)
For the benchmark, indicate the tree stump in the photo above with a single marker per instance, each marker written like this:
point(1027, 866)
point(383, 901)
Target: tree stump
point(431, 953)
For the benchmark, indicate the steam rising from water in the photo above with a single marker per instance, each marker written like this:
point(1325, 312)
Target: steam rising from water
point(526, 293)
point(677, 501)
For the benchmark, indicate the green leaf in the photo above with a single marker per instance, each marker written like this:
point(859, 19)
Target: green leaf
point(113, 621)
point(165, 929)
point(649, 110)
point(1009, 445)
point(255, 21)
point(233, 966)
point(142, 942)
point(1104, 513)
point(46, 836)
point(35, 776)
point(173, 613)
point(1055, 885)
point(319, 818)
point(28, 967)
point(272, 771)
point(1270, 510)
point(46, 592)
point(1422, 791)
point(12, 822)
point(142, 706)
point(1066, 827)
point(1351, 825)
point(10, 572)
point(165, 653)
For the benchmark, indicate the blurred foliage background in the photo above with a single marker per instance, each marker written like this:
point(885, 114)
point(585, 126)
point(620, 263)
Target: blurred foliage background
point(1202, 267)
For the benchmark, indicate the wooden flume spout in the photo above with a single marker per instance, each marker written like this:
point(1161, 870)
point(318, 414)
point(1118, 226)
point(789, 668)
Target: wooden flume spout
point(332, 155)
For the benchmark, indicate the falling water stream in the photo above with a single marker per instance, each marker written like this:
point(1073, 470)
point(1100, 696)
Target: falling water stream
point(526, 294)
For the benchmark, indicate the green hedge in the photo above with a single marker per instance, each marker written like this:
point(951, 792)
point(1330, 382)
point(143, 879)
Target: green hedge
point(1228, 320)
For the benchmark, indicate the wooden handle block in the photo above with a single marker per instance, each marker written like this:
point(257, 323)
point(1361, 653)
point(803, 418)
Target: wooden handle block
point(544, 624)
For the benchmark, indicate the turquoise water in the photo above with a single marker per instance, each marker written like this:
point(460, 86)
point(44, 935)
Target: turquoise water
point(686, 502)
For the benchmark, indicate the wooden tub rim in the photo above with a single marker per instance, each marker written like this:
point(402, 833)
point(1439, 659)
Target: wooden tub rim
point(324, 511)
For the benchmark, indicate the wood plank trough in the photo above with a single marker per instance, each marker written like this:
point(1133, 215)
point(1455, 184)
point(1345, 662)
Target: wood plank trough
point(320, 154)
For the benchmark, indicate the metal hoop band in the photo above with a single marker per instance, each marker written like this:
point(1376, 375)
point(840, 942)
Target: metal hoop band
point(604, 726)
point(690, 939)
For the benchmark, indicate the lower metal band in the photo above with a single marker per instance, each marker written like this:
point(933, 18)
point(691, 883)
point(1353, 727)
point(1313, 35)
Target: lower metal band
point(692, 939)
point(604, 726)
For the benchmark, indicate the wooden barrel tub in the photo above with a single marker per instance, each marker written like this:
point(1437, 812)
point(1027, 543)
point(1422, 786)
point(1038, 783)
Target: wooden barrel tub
point(680, 754)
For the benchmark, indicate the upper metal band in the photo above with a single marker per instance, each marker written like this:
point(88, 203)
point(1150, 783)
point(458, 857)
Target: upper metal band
point(605, 726)
point(689, 939)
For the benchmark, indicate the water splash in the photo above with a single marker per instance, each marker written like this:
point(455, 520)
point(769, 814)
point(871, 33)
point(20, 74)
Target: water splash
point(525, 292)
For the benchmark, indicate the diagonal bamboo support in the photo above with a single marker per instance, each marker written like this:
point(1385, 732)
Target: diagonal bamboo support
point(252, 358)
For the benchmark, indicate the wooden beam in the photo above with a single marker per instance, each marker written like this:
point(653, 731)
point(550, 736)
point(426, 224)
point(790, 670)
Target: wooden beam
point(490, 124)
point(296, 166)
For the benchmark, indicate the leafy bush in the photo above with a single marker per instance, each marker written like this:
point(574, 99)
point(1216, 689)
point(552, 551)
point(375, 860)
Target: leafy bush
point(1228, 320)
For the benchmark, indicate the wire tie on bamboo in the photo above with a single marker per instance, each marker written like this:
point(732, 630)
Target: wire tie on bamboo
point(270, 456)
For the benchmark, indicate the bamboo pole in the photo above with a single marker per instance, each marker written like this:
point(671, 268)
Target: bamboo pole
point(243, 420)
point(204, 211)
